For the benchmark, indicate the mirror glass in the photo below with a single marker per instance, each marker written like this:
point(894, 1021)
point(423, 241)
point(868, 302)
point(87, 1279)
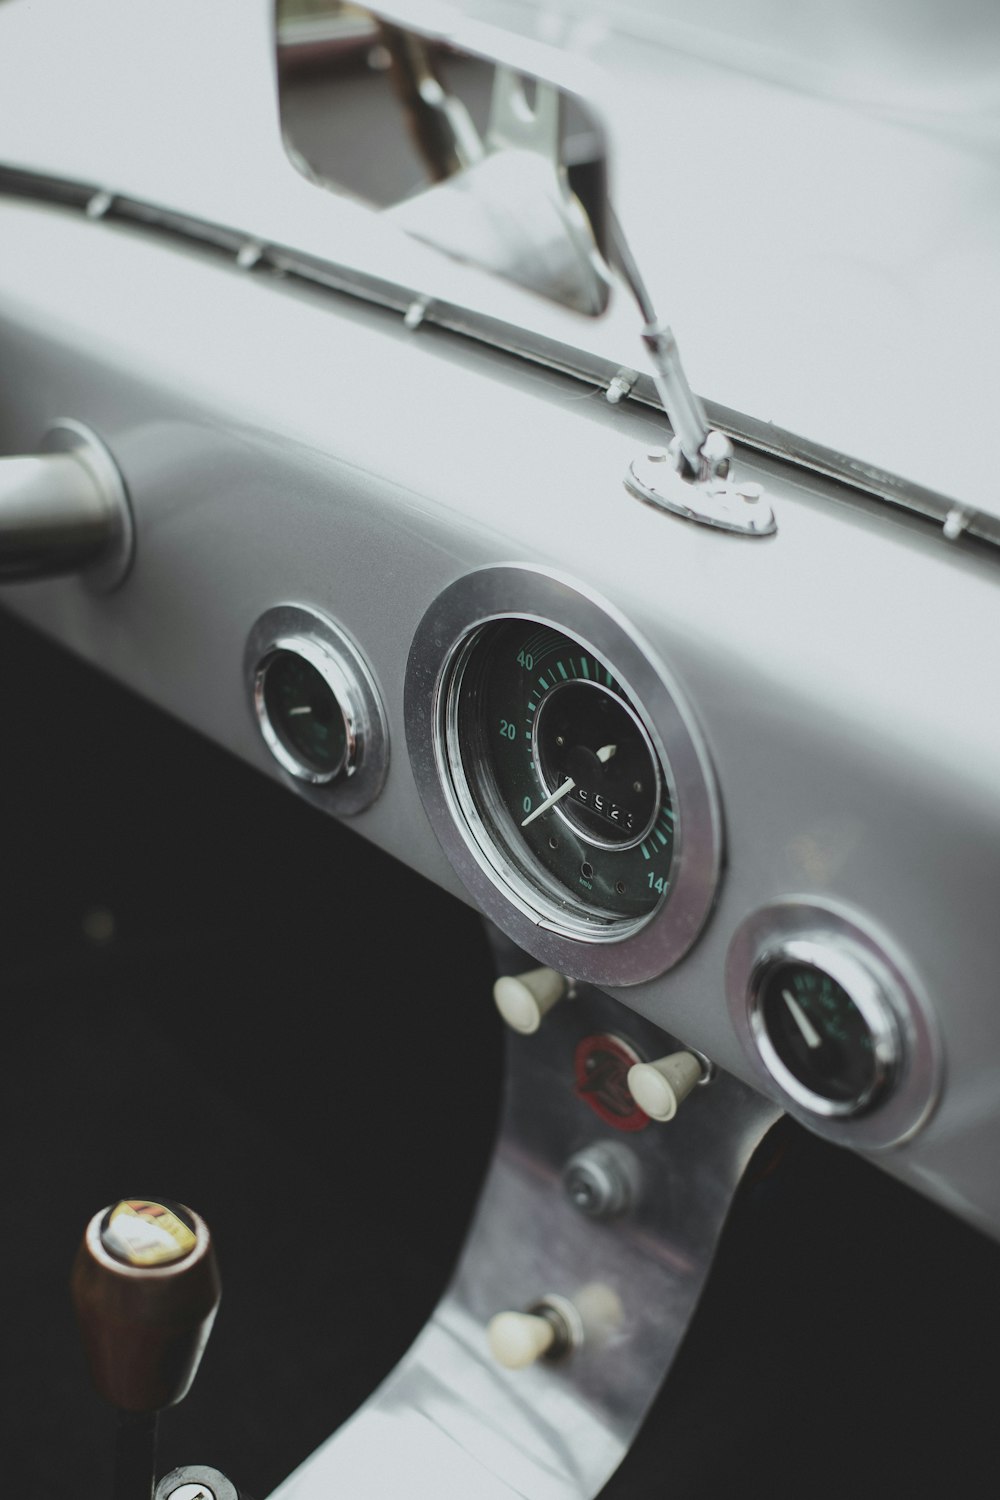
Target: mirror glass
point(499, 168)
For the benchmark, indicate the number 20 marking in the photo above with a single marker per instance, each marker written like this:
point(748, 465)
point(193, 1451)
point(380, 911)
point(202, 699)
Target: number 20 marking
point(507, 731)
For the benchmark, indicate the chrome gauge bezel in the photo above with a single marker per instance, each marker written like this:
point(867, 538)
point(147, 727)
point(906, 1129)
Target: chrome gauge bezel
point(907, 1049)
point(517, 896)
point(318, 640)
point(866, 992)
point(322, 660)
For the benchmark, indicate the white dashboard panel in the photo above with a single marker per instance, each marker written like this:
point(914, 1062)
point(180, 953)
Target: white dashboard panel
point(280, 445)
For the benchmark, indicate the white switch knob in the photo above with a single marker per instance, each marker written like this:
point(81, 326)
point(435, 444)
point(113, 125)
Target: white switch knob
point(660, 1088)
point(518, 1339)
point(523, 999)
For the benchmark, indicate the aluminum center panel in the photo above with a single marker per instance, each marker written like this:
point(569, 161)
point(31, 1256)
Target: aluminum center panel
point(449, 1422)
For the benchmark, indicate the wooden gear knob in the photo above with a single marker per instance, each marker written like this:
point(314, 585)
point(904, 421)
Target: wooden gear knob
point(145, 1288)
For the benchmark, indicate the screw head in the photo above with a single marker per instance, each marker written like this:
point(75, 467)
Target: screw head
point(600, 1181)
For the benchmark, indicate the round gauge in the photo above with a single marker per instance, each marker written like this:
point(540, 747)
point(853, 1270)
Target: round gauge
point(317, 707)
point(305, 714)
point(834, 1042)
point(562, 775)
point(833, 1018)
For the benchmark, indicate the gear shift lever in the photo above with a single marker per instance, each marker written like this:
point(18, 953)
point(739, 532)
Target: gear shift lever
point(146, 1289)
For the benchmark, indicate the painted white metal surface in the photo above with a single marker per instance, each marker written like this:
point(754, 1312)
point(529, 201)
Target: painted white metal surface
point(841, 671)
point(817, 208)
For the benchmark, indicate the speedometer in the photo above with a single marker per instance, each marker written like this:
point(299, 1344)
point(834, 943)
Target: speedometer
point(563, 774)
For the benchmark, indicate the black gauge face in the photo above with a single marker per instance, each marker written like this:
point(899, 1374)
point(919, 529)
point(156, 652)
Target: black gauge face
point(563, 772)
point(588, 739)
point(820, 1035)
point(304, 713)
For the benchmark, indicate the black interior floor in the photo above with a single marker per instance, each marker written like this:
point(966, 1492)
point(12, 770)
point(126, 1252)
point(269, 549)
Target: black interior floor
point(210, 992)
point(214, 994)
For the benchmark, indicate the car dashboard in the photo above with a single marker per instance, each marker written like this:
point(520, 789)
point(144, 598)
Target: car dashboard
point(732, 792)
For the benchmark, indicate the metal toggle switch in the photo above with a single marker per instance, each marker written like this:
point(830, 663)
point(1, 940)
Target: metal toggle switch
point(549, 1329)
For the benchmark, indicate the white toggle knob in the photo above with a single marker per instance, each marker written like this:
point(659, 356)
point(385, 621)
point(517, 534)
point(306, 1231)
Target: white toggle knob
point(548, 1329)
point(523, 999)
point(660, 1088)
point(519, 1339)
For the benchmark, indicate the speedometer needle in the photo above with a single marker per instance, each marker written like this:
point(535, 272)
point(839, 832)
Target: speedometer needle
point(556, 796)
point(810, 1035)
point(603, 755)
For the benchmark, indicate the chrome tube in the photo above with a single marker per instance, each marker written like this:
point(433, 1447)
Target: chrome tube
point(64, 511)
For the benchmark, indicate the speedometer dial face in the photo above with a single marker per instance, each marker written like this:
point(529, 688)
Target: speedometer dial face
point(560, 774)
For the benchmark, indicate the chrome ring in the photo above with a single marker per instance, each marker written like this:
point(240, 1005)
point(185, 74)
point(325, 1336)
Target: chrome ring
point(357, 780)
point(866, 993)
point(609, 951)
point(322, 660)
point(910, 1067)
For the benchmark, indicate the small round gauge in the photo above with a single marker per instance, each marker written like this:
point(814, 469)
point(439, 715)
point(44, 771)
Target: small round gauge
point(317, 707)
point(831, 1013)
point(562, 773)
point(825, 1028)
point(305, 714)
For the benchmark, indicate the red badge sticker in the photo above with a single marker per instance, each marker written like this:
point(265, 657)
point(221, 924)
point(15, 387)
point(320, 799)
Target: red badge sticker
point(601, 1065)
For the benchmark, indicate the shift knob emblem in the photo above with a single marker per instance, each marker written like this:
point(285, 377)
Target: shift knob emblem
point(139, 1232)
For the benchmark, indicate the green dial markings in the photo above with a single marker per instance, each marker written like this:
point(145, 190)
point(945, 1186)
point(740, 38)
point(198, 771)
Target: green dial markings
point(819, 1033)
point(579, 799)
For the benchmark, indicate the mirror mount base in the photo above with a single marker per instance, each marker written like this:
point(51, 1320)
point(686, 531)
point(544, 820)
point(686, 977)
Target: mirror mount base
point(711, 499)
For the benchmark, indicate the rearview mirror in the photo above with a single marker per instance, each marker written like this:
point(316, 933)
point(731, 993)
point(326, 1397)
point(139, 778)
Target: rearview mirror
point(495, 165)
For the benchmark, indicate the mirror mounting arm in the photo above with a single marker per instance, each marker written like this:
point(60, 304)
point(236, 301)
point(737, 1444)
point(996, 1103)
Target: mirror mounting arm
point(696, 483)
point(699, 452)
